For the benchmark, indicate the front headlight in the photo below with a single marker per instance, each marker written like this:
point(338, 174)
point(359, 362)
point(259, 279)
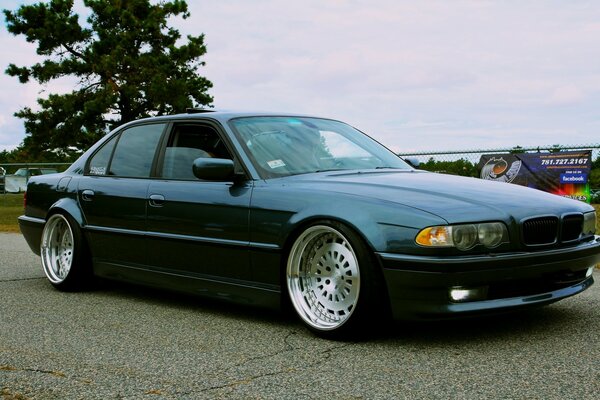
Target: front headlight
point(491, 235)
point(464, 236)
point(589, 223)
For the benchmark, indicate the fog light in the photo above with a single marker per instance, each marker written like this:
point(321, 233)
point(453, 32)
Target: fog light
point(589, 271)
point(459, 294)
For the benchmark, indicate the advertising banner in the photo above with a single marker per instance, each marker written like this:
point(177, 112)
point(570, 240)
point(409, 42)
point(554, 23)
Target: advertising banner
point(563, 173)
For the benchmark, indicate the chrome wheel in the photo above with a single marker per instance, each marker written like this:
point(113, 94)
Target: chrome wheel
point(323, 277)
point(57, 248)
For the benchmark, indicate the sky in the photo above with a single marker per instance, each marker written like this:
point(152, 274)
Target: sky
point(415, 75)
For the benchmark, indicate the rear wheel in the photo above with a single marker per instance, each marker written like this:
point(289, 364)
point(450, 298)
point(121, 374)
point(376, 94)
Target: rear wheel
point(64, 254)
point(331, 280)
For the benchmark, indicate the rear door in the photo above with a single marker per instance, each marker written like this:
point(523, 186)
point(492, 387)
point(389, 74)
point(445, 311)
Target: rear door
point(113, 194)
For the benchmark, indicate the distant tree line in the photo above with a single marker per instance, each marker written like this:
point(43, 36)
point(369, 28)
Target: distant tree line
point(460, 167)
point(595, 175)
point(23, 155)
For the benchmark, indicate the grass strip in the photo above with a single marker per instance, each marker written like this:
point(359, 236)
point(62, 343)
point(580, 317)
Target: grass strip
point(11, 207)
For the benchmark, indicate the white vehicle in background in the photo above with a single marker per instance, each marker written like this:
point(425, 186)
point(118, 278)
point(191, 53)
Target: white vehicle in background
point(2, 173)
point(17, 182)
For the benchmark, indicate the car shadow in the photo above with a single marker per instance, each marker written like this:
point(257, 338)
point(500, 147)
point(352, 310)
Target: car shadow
point(164, 297)
point(539, 320)
point(554, 318)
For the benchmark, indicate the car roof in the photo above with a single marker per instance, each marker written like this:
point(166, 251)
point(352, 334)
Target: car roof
point(220, 115)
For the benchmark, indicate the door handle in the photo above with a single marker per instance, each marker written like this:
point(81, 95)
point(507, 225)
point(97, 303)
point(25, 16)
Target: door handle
point(156, 200)
point(87, 195)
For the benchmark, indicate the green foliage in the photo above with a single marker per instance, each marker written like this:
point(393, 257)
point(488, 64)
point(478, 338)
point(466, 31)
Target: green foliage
point(11, 206)
point(516, 150)
point(596, 163)
point(555, 148)
point(127, 62)
point(24, 155)
point(594, 178)
point(459, 167)
point(5, 156)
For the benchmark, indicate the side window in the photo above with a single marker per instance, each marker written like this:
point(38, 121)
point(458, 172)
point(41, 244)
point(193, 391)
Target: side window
point(99, 162)
point(188, 142)
point(135, 151)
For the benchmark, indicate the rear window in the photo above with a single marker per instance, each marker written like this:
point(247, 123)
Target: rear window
point(135, 151)
point(128, 154)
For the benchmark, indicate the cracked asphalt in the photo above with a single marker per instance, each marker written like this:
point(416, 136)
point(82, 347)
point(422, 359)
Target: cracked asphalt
point(126, 342)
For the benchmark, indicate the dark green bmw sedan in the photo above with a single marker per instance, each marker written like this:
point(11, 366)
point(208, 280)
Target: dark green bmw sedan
point(269, 209)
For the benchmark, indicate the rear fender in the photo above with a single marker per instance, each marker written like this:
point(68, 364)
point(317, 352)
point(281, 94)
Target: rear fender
point(69, 206)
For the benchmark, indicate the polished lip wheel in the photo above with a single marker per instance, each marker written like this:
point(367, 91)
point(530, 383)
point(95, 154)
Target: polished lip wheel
point(57, 248)
point(323, 277)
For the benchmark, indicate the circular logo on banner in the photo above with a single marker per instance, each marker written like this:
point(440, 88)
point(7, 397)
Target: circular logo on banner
point(497, 169)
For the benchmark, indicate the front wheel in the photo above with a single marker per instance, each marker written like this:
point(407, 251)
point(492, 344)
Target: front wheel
point(331, 280)
point(64, 255)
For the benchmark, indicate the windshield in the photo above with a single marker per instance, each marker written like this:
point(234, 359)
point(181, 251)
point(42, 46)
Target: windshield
point(284, 146)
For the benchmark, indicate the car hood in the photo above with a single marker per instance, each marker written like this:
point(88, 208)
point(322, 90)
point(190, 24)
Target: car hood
point(453, 198)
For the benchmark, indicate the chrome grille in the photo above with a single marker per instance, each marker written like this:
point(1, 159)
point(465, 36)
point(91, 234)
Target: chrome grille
point(571, 227)
point(540, 231)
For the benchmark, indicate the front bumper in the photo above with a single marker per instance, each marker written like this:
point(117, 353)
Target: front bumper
point(419, 287)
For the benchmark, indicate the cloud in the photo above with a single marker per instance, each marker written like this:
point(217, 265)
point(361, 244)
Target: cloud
point(566, 95)
point(419, 75)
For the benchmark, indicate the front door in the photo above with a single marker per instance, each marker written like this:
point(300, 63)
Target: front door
point(197, 228)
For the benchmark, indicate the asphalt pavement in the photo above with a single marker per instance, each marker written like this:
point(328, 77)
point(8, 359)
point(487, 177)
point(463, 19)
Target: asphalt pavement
point(126, 342)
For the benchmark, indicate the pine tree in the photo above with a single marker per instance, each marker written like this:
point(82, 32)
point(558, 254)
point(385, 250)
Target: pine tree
point(127, 61)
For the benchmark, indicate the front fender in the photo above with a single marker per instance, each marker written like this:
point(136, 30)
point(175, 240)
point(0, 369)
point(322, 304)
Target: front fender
point(278, 213)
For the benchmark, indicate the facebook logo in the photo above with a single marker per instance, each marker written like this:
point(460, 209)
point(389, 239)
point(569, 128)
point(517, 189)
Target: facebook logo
point(573, 178)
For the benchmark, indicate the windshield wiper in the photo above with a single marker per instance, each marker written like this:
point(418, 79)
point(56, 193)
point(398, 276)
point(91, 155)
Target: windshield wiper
point(330, 169)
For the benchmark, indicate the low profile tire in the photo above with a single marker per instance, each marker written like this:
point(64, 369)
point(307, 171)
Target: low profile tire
point(332, 281)
point(64, 254)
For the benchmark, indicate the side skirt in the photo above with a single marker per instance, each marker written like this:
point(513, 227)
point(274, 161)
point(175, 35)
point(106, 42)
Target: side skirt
point(233, 291)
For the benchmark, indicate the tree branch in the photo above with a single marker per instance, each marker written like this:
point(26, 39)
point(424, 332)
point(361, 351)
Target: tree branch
point(74, 52)
point(91, 86)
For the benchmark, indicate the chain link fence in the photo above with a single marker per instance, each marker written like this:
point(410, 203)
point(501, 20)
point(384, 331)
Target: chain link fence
point(469, 159)
point(474, 155)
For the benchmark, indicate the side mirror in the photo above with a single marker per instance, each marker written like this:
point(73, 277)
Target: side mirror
point(213, 169)
point(413, 161)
